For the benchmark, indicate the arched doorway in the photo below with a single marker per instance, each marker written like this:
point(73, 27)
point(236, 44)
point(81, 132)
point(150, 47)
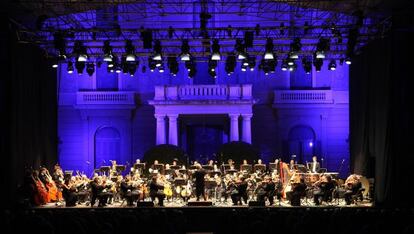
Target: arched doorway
point(107, 146)
point(302, 143)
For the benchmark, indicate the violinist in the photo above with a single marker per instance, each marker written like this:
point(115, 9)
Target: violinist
point(156, 191)
point(325, 186)
point(266, 189)
point(240, 193)
point(69, 191)
point(127, 189)
point(97, 189)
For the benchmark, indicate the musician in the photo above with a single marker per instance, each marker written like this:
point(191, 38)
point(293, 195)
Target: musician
point(314, 166)
point(156, 191)
point(325, 187)
point(269, 189)
point(126, 190)
point(69, 191)
point(174, 164)
point(292, 165)
point(298, 191)
point(240, 191)
point(199, 182)
point(97, 189)
point(352, 186)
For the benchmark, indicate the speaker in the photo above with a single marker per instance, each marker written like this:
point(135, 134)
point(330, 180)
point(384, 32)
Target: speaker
point(145, 204)
point(256, 203)
point(200, 203)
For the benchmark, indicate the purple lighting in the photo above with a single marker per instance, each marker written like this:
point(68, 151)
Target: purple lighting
point(311, 144)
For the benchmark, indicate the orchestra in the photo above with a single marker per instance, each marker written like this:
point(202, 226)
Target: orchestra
point(287, 182)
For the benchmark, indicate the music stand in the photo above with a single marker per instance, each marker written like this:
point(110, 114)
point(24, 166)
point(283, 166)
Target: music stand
point(246, 167)
point(301, 168)
point(105, 169)
point(225, 167)
point(69, 172)
point(120, 168)
point(193, 167)
point(183, 171)
point(179, 182)
point(159, 167)
point(168, 171)
point(260, 167)
point(273, 166)
point(230, 171)
point(207, 167)
point(176, 167)
point(139, 166)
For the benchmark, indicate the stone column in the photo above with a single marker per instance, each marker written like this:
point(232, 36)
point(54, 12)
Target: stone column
point(160, 138)
point(247, 128)
point(234, 127)
point(173, 132)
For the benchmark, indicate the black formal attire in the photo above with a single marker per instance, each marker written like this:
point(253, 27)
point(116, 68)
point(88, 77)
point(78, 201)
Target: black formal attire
point(351, 191)
point(157, 191)
point(97, 193)
point(298, 191)
point(270, 191)
point(199, 183)
point(69, 195)
point(126, 193)
point(314, 167)
point(240, 193)
point(325, 192)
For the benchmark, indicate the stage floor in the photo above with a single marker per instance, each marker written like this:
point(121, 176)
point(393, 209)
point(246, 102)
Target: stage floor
point(219, 204)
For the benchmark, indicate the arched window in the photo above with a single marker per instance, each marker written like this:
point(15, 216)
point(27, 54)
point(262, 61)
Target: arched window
point(302, 143)
point(107, 146)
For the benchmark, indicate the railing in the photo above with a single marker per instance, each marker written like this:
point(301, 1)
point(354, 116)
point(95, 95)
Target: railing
point(204, 92)
point(303, 96)
point(105, 98)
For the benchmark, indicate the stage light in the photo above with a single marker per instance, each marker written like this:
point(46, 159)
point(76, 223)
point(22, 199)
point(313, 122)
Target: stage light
point(348, 60)
point(307, 65)
point(252, 62)
point(90, 68)
point(173, 65)
point(132, 68)
point(110, 64)
point(215, 51)
point(311, 144)
point(269, 49)
point(157, 51)
point(107, 49)
point(212, 64)
point(70, 67)
point(318, 64)
point(240, 49)
point(292, 67)
point(55, 63)
point(321, 48)
point(118, 68)
point(192, 73)
point(284, 65)
point(161, 69)
point(243, 68)
point(79, 67)
point(158, 63)
point(290, 61)
point(213, 74)
point(151, 64)
point(230, 64)
point(185, 51)
point(60, 44)
point(245, 62)
point(332, 65)
point(295, 47)
point(80, 51)
point(130, 51)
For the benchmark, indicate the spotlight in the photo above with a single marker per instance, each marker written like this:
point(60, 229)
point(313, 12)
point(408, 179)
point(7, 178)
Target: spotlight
point(55, 63)
point(272, 65)
point(284, 65)
point(295, 47)
point(240, 49)
point(212, 64)
point(118, 68)
point(157, 51)
point(290, 61)
point(230, 64)
point(161, 69)
point(332, 65)
point(107, 49)
point(90, 68)
point(158, 63)
point(79, 67)
point(70, 67)
point(185, 51)
point(215, 50)
point(243, 68)
point(189, 65)
point(130, 51)
point(321, 48)
point(245, 62)
point(269, 49)
point(292, 67)
point(173, 65)
point(318, 62)
point(151, 64)
point(348, 60)
point(307, 65)
point(132, 68)
point(80, 50)
point(252, 63)
point(60, 44)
